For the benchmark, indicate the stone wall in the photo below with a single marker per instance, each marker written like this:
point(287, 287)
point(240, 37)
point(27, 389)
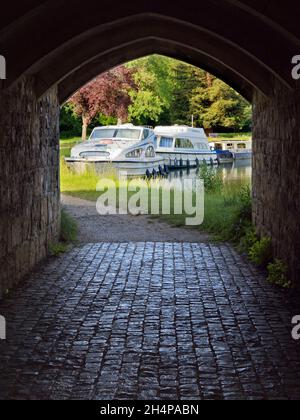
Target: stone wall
point(29, 180)
point(276, 174)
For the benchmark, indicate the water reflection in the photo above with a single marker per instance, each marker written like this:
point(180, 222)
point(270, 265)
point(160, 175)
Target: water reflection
point(240, 170)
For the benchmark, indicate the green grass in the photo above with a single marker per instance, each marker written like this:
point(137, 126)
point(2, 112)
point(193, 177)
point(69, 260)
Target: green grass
point(69, 228)
point(233, 136)
point(69, 141)
point(222, 213)
point(68, 235)
point(223, 201)
point(66, 146)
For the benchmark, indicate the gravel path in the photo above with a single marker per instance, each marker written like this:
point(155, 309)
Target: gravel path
point(94, 228)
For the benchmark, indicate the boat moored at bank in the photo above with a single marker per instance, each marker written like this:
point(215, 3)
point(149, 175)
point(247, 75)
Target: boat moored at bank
point(183, 146)
point(126, 147)
point(231, 150)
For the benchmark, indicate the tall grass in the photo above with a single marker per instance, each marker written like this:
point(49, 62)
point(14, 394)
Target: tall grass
point(228, 209)
point(82, 184)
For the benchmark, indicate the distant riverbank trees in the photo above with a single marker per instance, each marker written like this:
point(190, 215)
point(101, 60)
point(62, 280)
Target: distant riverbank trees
point(156, 90)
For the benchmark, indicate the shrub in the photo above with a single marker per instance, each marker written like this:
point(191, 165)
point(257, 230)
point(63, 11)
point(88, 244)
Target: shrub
point(212, 179)
point(68, 229)
point(248, 239)
point(278, 274)
point(68, 235)
point(261, 252)
point(58, 249)
point(242, 217)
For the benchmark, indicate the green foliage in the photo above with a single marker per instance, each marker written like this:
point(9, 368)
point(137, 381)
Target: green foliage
point(146, 109)
point(171, 92)
point(151, 102)
point(70, 124)
point(68, 235)
point(261, 252)
point(242, 215)
point(212, 179)
point(217, 105)
point(237, 136)
point(278, 272)
point(186, 78)
point(248, 239)
point(58, 249)
point(69, 228)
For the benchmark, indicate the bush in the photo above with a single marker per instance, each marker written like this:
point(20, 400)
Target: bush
point(242, 217)
point(212, 179)
point(278, 274)
point(58, 249)
point(261, 252)
point(69, 228)
point(248, 239)
point(68, 235)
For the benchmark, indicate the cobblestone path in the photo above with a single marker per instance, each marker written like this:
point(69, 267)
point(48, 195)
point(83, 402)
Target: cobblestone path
point(148, 321)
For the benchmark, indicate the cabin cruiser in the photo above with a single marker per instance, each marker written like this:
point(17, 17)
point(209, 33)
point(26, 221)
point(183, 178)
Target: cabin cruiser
point(183, 146)
point(128, 148)
point(231, 150)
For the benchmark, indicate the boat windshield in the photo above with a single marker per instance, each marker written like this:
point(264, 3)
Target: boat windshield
point(125, 133)
point(112, 133)
point(103, 133)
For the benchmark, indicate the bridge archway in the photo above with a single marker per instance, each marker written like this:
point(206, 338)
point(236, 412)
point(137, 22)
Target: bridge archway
point(52, 49)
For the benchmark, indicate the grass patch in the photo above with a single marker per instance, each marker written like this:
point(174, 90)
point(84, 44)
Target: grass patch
point(232, 136)
point(66, 146)
point(82, 185)
point(278, 274)
point(69, 141)
point(69, 228)
point(68, 235)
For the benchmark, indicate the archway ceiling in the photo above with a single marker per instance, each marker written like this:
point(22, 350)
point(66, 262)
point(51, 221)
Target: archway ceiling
point(245, 43)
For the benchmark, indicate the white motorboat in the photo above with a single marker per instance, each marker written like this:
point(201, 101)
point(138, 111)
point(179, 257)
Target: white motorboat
point(126, 147)
point(183, 146)
point(231, 150)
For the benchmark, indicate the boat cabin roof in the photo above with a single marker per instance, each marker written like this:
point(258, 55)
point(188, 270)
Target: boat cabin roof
point(181, 131)
point(122, 126)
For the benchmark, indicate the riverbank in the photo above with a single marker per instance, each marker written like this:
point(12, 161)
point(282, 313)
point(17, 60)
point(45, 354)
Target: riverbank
point(93, 228)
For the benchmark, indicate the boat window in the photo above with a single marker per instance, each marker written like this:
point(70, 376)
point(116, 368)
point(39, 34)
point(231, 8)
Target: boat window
point(166, 142)
point(146, 134)
point(129, 134)
point(136, 153)
point(218, 146)
point(183, 144)
point(241, 146)
point(103, 133)
point(150, 152)
point(204, 146)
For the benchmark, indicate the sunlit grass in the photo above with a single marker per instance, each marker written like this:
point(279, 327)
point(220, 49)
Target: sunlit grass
point(233, 136)
point(222, 204)
point(67, 144)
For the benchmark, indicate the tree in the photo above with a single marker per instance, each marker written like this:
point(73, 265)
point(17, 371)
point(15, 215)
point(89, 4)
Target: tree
point(70, 124)
point(151, 102)
point(107, 94)
point(216, 105)
point(185, 79)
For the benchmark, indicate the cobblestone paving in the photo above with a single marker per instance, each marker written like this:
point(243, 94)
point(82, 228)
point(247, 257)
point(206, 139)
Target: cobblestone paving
point(148, 321)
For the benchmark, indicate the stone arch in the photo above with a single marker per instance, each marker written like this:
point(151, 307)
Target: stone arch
point(52, 49)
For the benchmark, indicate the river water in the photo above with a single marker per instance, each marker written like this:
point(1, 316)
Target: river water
point(239, 171)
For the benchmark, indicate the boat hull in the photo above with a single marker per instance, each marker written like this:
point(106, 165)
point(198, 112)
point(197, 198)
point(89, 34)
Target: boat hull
point(187, 160)
point(242, 155)
point(138, 168)
point(131, 167)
